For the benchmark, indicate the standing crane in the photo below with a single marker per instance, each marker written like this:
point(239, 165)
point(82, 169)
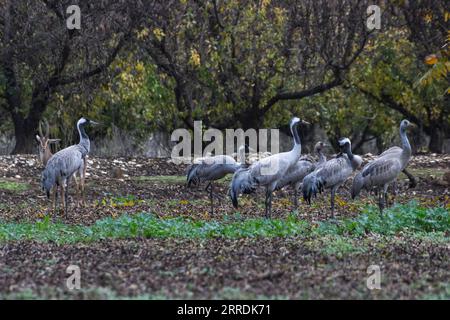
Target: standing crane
point(267, 172)
point(305, 165)
point(64, 164)
point(45, 154)
point(214, 168)
point(385, 169)
point(332, 174)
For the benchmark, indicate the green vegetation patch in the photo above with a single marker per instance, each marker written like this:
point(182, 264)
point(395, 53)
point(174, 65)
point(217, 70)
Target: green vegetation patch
point(148, 225)
point(105, 293)
point(13, 185)
point(410, 218)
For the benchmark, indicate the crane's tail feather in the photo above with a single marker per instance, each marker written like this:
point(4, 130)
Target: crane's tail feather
point(191, 177)
point(311, 186)
point(48, 180)
point(242, 182)
point(358, 183)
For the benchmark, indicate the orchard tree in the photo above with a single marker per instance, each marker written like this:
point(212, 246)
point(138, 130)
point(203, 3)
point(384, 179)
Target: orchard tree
point(232, 61)
point(41, 56)
point(406, 68)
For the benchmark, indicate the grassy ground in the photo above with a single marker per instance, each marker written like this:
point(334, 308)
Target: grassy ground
point(148, 237)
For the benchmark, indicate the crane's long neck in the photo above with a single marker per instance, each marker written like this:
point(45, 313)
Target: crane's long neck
point(354, 162)
point(322, 158)
point(406, 153)
point(84, 139)
point(348, 151)
point(297, 149)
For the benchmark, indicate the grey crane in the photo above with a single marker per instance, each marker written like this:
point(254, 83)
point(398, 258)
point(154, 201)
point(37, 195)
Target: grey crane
point(305, 165)
point(267, 172)
point(384, 170)
point(45, 153)
point(214, 168)
point(64, 164)
point(332, 174)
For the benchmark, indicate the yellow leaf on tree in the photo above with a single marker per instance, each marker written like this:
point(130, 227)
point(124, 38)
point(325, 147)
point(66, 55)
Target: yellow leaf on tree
point(431, 59)
point(428, 17)
point(159, 34)
point(142, 34)
point(195, 58)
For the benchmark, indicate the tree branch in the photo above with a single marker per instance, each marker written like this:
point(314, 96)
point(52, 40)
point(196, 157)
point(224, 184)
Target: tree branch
point(98, 69)
point(389, 101)
point(296, 95)
point(216, 13)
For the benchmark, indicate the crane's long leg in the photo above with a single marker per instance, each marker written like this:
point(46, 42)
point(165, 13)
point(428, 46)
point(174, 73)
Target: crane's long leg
point(83, 181)
point(385, 188)
point(333, 193)
point(209, 189)
point(77, 189)
point(395, 187)
point(266, 203)
point(380, 201)
point(63, 196)
point(211, 198)
point(67, 194)
point(295, 198)
point(54, 196)
point(270, 203)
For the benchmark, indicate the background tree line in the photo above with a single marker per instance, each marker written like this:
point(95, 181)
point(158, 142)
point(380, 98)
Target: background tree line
point(159, 65)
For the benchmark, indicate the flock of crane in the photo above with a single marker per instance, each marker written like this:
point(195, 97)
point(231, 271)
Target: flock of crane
point(291, 169)
point(273, 172)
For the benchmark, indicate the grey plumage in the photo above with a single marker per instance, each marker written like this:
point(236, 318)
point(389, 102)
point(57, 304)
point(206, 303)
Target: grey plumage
point(305, 165)
point(242, 182)
point(332, 174)
point(64, 164)
point(214, 168)
point(211, 169)
point(380, 172)
point(267, 171)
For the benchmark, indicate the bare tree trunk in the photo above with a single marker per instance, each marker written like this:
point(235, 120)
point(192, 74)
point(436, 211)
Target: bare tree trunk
point(24, 132)
point(436, 140)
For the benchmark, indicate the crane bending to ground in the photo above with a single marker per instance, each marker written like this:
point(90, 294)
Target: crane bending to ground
point(211, 169)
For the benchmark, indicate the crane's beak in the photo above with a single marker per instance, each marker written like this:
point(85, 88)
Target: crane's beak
point(305, 122)
point(94, 122)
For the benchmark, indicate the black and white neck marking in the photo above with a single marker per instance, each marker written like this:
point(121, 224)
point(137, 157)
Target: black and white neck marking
point(346, 147)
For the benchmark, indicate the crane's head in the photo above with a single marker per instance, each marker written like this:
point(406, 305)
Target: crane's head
point(296, 121)
point(405, 124)
point(84, 121)
point(320, 146)
point(344, 143)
